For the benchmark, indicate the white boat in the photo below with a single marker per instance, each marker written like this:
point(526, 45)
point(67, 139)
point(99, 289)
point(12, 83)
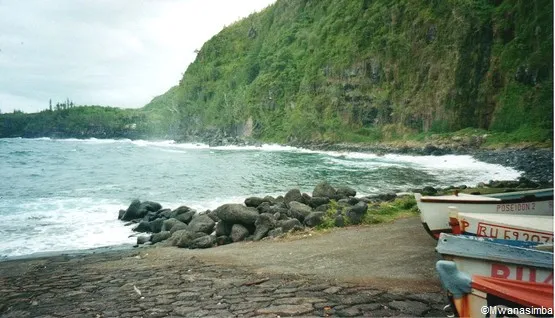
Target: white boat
point(529, 228)
point(479, 296)
point(434, 210)
point(514, 260)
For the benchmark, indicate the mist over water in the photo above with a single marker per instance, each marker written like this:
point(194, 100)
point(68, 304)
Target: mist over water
point(65, 194)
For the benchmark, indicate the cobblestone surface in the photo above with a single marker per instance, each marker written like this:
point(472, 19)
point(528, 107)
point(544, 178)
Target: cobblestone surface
point(344, 273)
point(129, 284)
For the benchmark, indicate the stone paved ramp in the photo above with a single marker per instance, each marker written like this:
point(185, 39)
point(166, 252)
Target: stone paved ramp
point(171, 282)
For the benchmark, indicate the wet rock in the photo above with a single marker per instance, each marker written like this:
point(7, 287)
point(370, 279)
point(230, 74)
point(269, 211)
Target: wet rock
point(314, 219)
point(237, 213)
point(164, 214)
point(264, 223)
point(206, 241)
point(201, 223)
point(298, 210)
point(324, 189)
point(161, 236)
point(121, 214)
point(238, 233)
point(293, 195)
point(133, 211)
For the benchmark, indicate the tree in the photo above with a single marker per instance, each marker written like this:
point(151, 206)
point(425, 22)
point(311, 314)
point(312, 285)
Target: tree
point(50, 104)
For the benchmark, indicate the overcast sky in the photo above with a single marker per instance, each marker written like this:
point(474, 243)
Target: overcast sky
point(103, 52)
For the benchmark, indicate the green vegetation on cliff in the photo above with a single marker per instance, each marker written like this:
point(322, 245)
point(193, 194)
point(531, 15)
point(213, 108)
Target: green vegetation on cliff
point(347, 70)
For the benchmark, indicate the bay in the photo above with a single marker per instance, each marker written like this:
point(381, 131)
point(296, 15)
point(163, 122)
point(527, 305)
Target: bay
point(64, 194)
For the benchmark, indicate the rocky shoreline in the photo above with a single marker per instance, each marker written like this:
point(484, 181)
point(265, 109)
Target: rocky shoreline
point(261, 217)
point(254, 220)
point(536, 164)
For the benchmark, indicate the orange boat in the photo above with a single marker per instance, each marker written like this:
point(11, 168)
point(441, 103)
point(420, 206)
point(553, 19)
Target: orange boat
point(480, 296)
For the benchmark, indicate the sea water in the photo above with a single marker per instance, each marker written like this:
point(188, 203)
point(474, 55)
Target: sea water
point(65, 194)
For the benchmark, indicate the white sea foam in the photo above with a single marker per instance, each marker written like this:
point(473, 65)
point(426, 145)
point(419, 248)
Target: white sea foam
point(58, 224)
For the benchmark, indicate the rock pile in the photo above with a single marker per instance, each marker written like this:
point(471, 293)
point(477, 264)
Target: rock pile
point(255, 219)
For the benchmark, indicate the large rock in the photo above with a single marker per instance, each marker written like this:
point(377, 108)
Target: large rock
point(179, 226)
point(143, 239)
point(183, 238)
point(202, 223)
point(156, 225)
point(203, 242)
point(314, 219)
point(239, 233)
point(318, 201)
point(293, 195)
point(324, 189)
point(164, 214)
point(356, 212)
point(168, 224)
point(237, 214)
point(290, 225)
point(133, 211)
point(305, 198)
point(159, 237)
point(253, 202)
point(150, 206)
point(121, 214)
point(298, 210)
point(212, 215)
point(270, 199)
point(186, 211)
point(264, 223)
point(143, 226)
point(265, 207)
point(223, 228)
point(346, 192)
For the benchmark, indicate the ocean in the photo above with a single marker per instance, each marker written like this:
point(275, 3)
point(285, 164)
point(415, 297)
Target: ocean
point(65, 194)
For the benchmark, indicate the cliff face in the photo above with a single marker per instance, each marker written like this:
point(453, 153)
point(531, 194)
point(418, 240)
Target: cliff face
point(360, 69)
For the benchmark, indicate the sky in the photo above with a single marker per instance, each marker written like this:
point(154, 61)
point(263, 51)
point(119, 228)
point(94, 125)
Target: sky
point(103, 52)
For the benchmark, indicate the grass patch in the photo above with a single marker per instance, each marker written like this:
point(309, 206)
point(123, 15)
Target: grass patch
point(401, 207)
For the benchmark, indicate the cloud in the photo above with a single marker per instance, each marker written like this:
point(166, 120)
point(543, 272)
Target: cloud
point(118, 53)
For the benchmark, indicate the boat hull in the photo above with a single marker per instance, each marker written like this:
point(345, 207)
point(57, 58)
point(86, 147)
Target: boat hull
point(537, 228)
point(486, 257)
point(434, 214)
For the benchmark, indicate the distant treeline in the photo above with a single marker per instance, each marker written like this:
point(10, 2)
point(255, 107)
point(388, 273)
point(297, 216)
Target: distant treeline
point(65, 120)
